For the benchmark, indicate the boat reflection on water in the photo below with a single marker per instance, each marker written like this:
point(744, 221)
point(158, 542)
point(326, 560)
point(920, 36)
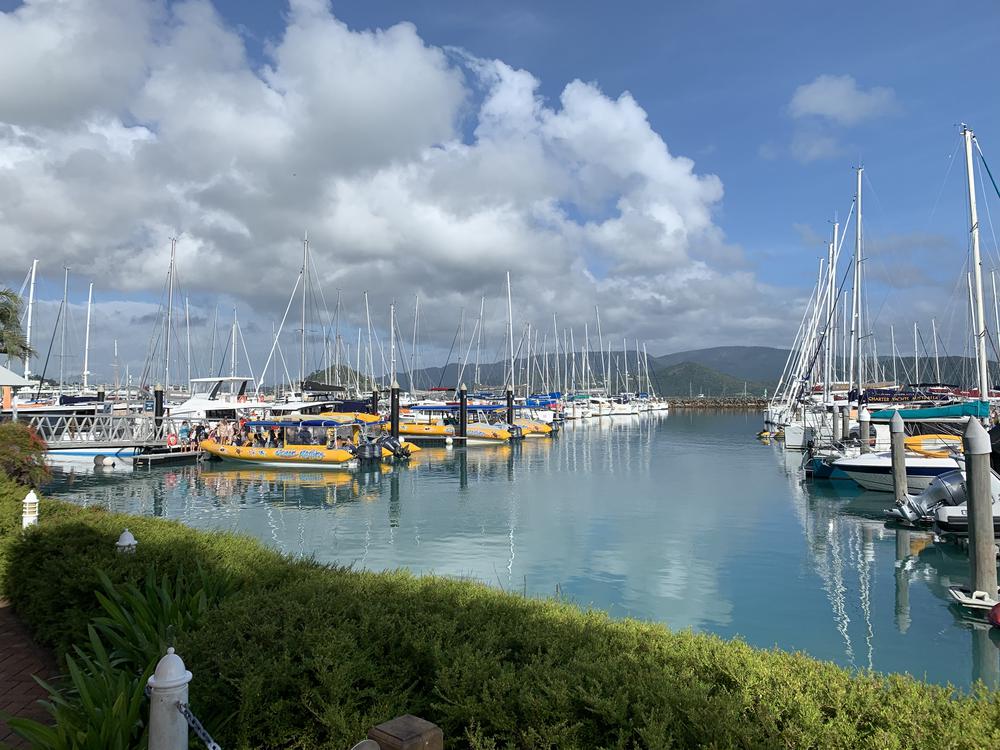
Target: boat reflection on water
point(326, 487)
point(848, 538)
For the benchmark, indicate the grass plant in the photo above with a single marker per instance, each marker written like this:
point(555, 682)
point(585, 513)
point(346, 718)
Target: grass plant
point(302, 655)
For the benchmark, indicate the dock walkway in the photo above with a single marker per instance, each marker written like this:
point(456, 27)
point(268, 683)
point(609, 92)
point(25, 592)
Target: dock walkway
point(20, 658)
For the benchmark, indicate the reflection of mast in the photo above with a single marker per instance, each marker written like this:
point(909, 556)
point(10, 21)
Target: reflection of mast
point(902, 580)
point(865, 554)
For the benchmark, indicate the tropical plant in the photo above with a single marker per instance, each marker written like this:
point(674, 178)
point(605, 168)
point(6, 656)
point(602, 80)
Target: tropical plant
point(13, 342)
point(101, 707)
point(22, 454)
point(140, 623)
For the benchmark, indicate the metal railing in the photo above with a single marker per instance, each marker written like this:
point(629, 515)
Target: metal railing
point(102, 429)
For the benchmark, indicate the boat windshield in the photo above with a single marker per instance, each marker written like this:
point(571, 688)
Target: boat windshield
point(328, 437)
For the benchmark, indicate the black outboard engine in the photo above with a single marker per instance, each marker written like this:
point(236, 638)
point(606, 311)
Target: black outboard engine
point(369, 450)
point(393, 444)
point(516, 433)
point(946, 489)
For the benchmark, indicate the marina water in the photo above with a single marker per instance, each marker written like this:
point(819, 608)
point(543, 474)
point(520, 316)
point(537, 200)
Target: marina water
point(683, 519)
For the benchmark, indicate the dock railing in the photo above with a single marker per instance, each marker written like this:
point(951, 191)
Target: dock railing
point(102, 430)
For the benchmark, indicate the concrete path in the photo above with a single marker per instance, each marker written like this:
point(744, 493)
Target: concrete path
point(20, 658)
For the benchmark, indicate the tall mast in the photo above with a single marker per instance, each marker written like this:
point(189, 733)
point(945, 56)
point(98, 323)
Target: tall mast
point(413, 346)
point(892, 340)
point(357, 365)
point(392, 339)
point(555, 346)
point(117, 379)
point(65, 310)
point(479, 338)
point(371, 360)
point(302, 345)
point(600, 344)
point(510, 330)
point(996, 308)
point(625, 357)
point(336, 344)
point(187, 324)
point(831, 307)
point(215, 329)
point(232, 361)
point(86, 338)
point(916, 355)
point(855, 374)
point(170, 312)
point(977, 266)
point(31, 309)
point(937, 363)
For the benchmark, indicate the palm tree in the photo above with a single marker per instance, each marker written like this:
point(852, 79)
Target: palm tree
point(13, 342)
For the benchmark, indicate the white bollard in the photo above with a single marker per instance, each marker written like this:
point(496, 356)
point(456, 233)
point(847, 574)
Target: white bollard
point(126, 543)
point(168, 729)
point(29, 510)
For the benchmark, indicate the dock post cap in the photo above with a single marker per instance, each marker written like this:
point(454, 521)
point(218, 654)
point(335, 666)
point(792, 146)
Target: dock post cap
point(865, 415)
point(157, 387)
point(170, 672)
point(126, 542)
point(975, 439)
point(896, 423)
point(462, 387)
point(395, 385)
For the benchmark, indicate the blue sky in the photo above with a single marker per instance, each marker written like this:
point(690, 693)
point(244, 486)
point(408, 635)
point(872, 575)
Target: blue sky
point(429, 160)
point(716, 79)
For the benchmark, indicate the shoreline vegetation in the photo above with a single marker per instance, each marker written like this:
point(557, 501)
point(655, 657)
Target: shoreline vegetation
point(289, 653)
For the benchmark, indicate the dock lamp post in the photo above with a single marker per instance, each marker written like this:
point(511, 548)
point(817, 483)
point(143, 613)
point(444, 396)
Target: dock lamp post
point(126, 543)
point(29, 510)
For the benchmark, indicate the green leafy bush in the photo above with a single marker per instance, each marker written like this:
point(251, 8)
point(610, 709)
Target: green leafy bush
point(22, 454)
point(139, 623)
point(310, 656)
point(102, 706)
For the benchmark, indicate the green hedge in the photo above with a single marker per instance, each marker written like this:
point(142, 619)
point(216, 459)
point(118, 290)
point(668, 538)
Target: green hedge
point(310, 656)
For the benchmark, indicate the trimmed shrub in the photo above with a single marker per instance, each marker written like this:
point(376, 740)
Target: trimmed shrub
point(22, 454)
point(309, 656)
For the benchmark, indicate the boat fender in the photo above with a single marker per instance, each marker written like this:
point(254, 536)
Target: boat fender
point(994, 616)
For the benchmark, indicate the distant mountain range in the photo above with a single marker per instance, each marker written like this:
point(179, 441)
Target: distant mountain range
point(723, 370)
point(717, 371)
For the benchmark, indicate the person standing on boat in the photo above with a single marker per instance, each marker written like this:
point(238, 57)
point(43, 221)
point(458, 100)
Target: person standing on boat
point(184, 435)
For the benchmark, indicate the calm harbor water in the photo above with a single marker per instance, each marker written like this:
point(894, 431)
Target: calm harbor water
point(683, 519)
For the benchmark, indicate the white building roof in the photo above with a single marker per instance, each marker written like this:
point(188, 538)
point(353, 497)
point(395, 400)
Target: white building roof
point(9, 377)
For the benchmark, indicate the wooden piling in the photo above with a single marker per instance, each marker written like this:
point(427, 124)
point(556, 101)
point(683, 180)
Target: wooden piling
point(374, 400)
point(463, 411)
point(510, 406)
point(864, 424)
point(394, 409)
point(982, 554)
point(898, 458)
point(158, 405)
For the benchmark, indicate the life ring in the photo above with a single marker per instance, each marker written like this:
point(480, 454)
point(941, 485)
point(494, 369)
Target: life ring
point(171, 440)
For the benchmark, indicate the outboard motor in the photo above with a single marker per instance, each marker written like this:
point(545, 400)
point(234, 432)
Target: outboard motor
point(516, 433)
point(946, 489)
point(369, 450)
point(394, 445)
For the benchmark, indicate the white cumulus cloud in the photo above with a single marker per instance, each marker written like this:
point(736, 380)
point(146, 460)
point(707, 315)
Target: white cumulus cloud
point(840, 100)
point(417, 170)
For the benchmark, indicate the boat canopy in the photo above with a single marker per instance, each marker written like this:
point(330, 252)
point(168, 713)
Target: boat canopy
point(314, 422)
point(978, 409)
point(471, 407)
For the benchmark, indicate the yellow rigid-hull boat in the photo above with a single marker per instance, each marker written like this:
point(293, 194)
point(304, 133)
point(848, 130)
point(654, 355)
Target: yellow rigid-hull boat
point(533, 427)
point(476, 432)
point(335, 441)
